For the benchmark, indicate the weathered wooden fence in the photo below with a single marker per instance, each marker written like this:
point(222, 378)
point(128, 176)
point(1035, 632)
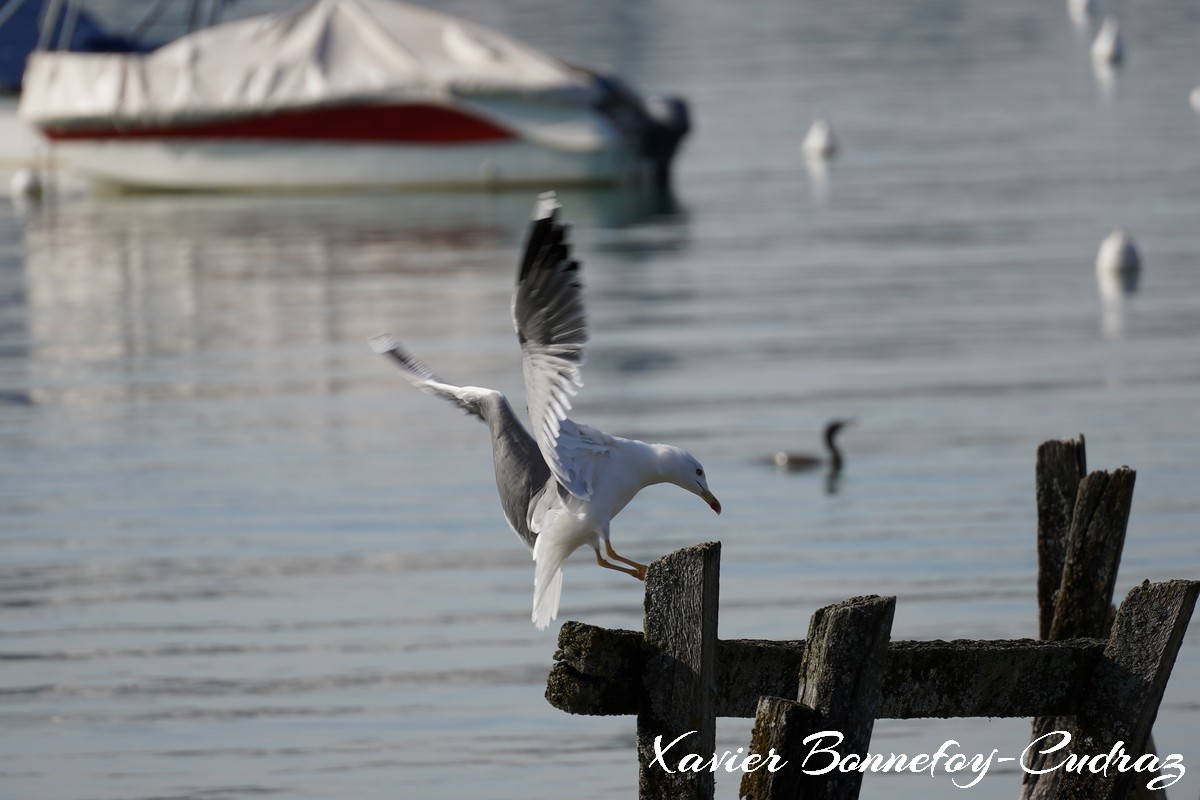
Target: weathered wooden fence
point(1097, 674)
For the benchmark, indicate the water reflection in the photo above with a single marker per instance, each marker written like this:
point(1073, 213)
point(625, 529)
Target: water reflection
point(113, 285)
point(1106, 80)
point(1116, 288)
point(816, 167)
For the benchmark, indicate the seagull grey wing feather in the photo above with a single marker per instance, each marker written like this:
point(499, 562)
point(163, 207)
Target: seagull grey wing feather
point(548, 314)
point(521, 473)
point(468, 398)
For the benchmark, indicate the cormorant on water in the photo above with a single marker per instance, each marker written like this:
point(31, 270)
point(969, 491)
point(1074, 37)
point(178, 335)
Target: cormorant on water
point(801, 462)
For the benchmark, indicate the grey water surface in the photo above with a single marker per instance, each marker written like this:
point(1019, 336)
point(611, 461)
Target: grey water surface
point(241, 557)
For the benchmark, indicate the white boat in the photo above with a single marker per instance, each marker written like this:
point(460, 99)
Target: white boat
point(345, 94)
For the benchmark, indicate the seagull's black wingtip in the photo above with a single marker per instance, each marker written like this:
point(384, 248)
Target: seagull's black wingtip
point(386, 345)
point(545, 232)
point(383, 343)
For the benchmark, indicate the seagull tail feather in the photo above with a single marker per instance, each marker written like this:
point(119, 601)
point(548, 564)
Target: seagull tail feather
point(547, 581)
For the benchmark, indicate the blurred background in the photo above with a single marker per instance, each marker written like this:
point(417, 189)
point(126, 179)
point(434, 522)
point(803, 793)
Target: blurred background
point(240, 556)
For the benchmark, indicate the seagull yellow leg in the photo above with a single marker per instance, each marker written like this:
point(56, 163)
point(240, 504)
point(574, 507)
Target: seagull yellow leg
point(641, 576)
point(639, 569)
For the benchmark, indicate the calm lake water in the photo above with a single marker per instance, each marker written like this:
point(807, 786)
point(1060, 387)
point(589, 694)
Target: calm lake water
point(240, 556)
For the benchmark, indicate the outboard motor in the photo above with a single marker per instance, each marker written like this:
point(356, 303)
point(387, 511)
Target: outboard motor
point(657, 123)
point(669, 121)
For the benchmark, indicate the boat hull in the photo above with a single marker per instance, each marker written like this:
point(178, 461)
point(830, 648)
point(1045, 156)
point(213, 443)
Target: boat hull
point(249, 165)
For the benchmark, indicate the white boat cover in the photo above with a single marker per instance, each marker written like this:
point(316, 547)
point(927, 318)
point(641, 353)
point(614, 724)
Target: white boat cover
point(329, 52)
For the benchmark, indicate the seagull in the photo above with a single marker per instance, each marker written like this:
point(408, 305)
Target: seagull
point(560, 486)
point(800, 462)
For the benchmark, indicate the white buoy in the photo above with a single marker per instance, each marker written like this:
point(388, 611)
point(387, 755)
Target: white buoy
point(1081, 10)
point(25, 184)
point(1118, 253)
point(1194, 98)
point(1108, 47)
point(820, 142)
point(1118, 272)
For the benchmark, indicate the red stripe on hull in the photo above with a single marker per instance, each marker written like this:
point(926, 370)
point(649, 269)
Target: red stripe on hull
point(403, 124)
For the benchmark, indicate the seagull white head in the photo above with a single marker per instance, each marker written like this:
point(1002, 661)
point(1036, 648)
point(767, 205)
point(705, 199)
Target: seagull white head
point(678, 466)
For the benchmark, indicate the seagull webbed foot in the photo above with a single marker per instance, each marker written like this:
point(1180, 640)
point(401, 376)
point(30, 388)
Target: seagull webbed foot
point(638, 571)
point(641, 576)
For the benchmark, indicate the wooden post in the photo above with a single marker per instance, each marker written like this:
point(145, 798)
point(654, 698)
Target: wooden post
point(780, 725)
point(841, 677)
point(680, 658)
point(1122, 702)
point(1061, 465)
point(678, 676)
point(597, 671)
point(600, 673)
point(1093, 555)
point(840, 681)
point(1080, 554)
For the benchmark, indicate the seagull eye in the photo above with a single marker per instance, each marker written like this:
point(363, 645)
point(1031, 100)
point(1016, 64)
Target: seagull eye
point(700, 472)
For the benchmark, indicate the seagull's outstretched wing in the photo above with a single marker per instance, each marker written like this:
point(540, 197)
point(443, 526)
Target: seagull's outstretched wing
point(468, 398)
point(551, 325)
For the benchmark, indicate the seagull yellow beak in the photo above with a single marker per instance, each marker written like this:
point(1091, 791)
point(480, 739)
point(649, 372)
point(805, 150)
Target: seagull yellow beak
point(712, 501)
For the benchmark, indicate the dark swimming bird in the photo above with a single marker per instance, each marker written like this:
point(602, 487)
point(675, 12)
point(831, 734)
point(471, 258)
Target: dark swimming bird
point(561, 486)
point(802, 462)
